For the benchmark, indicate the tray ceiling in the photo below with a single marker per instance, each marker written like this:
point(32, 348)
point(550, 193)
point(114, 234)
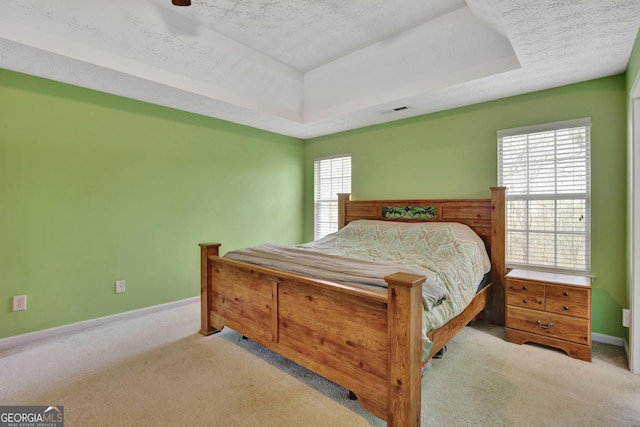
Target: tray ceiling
point(307, 68)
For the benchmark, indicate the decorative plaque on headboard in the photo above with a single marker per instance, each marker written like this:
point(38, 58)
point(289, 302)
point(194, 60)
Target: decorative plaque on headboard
point(409, 212)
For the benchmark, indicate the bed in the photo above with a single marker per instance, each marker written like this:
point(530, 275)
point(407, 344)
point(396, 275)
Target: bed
point(367, 339)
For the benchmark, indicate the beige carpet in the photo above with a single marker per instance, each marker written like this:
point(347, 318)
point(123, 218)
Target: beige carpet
point(156, 370)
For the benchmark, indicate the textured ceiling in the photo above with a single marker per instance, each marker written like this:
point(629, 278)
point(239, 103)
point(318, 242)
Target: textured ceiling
point(307, 68)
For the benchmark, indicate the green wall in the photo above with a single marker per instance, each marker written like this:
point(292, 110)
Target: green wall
point(453, 154)
point(96, 188)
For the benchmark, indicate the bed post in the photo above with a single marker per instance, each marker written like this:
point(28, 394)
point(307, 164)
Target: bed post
point(404, 313)
point(343, 198)
point(498, 256)
point(206, 250)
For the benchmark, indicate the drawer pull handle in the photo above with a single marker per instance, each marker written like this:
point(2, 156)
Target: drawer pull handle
point(543, 326)
point(566, 294)
point(566, 307)
point(526, 288)
point(525, 301)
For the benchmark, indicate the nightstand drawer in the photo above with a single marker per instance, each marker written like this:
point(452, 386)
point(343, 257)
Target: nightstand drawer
point(524, 287)
point(568, 294)
point(549, 324)
point(527, 301)
point(570, 308)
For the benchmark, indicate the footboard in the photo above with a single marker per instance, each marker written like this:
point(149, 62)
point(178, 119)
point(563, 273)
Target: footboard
point(366, 341)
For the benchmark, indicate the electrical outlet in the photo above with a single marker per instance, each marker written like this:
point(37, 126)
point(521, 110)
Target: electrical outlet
point(626, 317)
point(120, 286)
point(19, 302)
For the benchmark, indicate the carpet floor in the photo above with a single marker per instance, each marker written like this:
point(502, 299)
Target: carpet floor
point(156, 370)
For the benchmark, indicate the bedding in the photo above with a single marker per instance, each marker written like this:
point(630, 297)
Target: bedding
point(450, 255)
point(336, 268)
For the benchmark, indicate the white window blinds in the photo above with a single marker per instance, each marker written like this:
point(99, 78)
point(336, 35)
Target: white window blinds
point(546, 170)
point(331, 176)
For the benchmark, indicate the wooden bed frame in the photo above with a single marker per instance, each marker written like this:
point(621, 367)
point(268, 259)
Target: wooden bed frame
point(368, 341)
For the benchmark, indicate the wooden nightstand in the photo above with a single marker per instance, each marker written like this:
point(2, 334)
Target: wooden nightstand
point(550, 309)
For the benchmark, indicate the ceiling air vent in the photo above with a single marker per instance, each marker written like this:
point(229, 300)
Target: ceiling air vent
point(395, 110)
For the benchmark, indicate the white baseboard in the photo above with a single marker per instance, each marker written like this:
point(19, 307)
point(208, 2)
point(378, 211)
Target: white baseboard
point(607, 339)
point(46, 333)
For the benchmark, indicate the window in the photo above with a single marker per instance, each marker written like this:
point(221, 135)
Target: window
point(546, 170)
point(331, 176)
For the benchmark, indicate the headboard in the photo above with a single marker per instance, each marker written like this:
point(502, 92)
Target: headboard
point(485, 216)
